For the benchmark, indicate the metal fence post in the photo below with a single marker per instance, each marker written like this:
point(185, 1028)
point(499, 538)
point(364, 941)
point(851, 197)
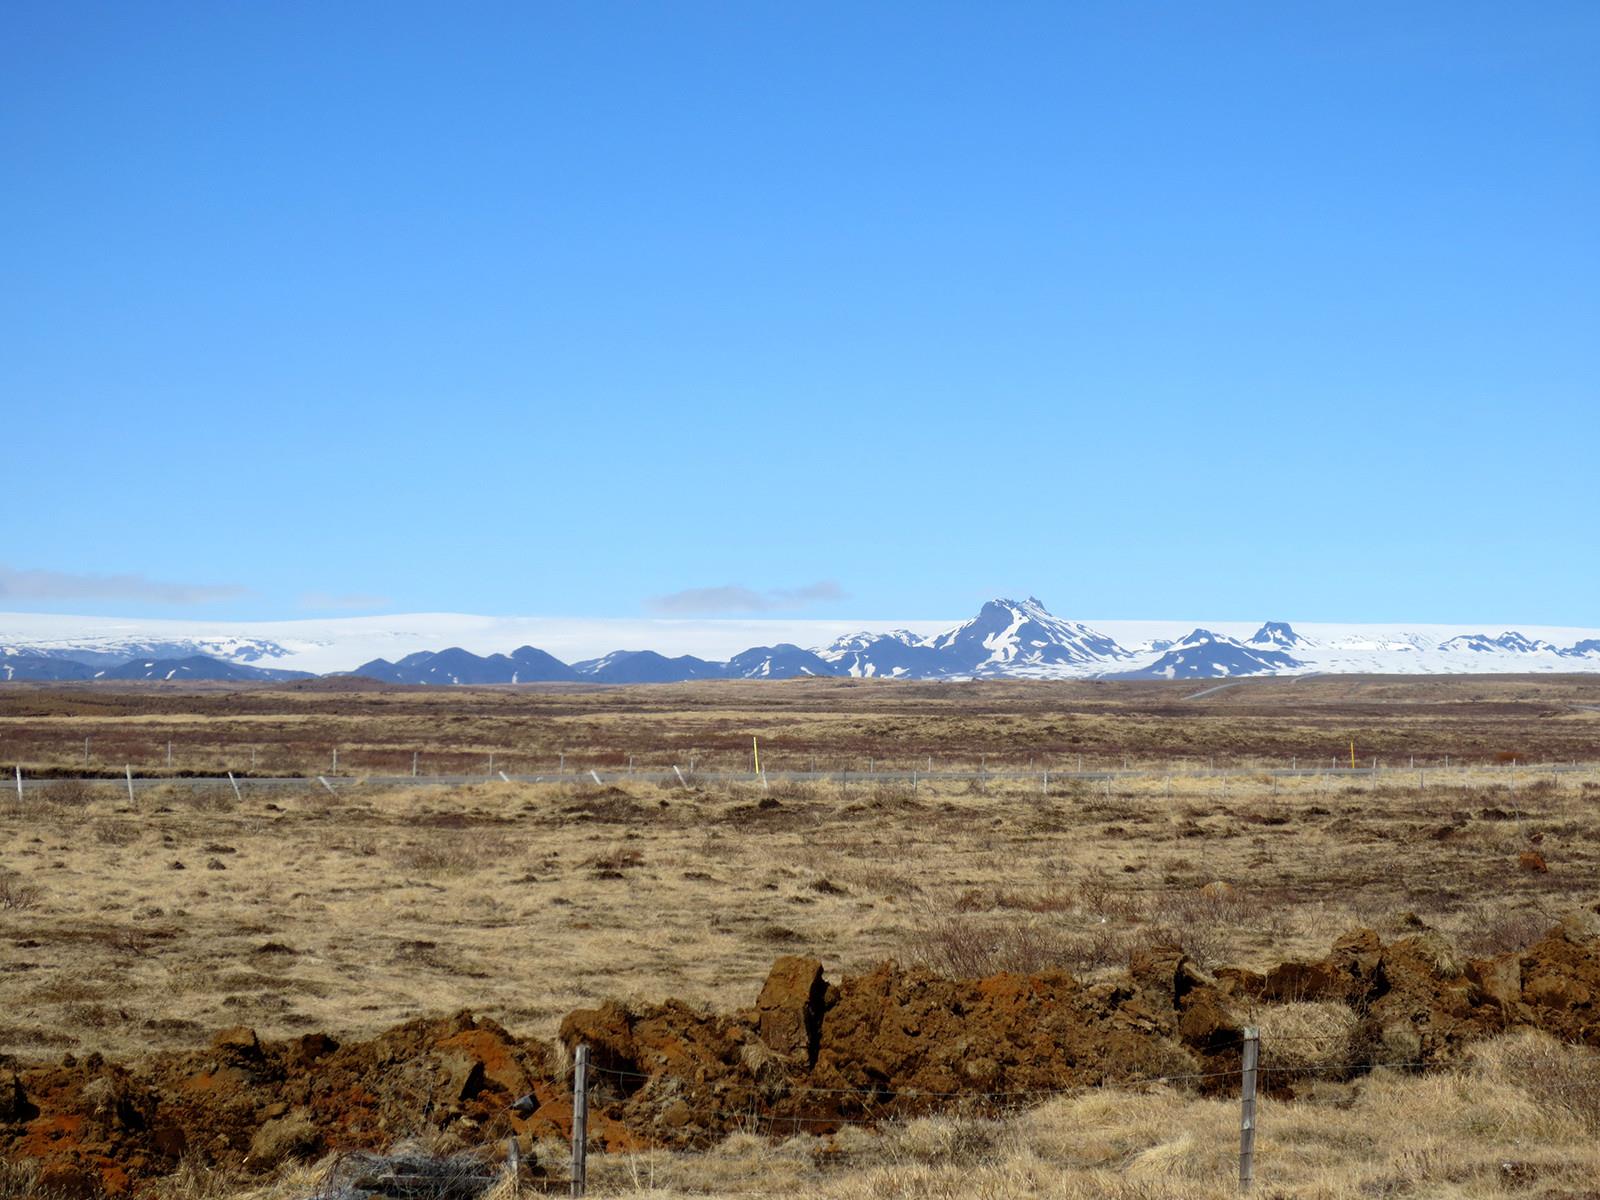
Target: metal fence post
point(580, 1121)
point(1247, 1108)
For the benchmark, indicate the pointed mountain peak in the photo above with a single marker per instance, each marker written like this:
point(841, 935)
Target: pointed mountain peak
point(1205, 637)
point(1278, 635)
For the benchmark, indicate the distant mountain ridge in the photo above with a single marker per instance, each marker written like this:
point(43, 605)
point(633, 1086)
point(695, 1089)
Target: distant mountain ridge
point(18, 664)
point(1007, 639)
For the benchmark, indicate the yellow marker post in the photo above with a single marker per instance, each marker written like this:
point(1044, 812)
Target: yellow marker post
point(1352, 754)
point(755, 749)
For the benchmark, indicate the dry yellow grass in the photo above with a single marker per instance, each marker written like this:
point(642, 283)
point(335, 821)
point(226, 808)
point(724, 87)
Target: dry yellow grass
point(295, 910)
point(1489, 1130)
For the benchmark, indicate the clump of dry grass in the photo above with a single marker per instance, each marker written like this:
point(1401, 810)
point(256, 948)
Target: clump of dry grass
point(19, 1180)
point(1557, 1076)
point(67, 793)
point(964, 945)
point(1476, 1132)
point(1320, 1038)
point(15, 894)
point(1497, 932)
point(454, 853)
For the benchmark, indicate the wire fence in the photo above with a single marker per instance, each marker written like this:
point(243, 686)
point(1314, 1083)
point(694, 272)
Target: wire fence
point(1061, 782)
point(880, 1108)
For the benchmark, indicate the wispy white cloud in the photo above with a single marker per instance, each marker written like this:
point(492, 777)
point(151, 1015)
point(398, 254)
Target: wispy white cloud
point(342, 602)
point(734, 598)
point(18, 584)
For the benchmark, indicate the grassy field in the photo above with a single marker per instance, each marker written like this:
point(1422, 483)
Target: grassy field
point(132, 926)
point(833, 724)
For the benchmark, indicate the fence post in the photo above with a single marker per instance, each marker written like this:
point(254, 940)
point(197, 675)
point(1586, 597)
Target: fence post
point(235, 784)
point(1247, 1108)
point(580, 1121)
point(413, 764)
point(19, 783)
point(128, 771)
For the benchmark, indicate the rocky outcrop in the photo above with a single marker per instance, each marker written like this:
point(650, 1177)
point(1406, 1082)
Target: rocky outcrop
point(809, 1055)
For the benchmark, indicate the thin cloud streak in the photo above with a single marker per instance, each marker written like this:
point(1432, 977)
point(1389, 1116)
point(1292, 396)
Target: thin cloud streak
point(67, 585)
point(734, 598)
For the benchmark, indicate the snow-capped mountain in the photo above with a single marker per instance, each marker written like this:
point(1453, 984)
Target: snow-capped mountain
point(783, 661)
point(1206, 655)
point(1511, 642)
point(646, 666)
point(898, 654)
point(18, 664)
point(1277, 635)
point(1011, 637)
point(193, 668)
point(111, 651)
point(1006, 639)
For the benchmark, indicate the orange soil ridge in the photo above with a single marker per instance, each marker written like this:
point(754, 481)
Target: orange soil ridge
point(809, 1056)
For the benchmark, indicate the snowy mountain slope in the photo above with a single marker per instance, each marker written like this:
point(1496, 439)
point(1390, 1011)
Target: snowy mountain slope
point(102, 652)
point(898, 654)
point(1207, 655)
point(18, 664)
point(1277, 635)
point(1021, 637)
point(646, 666)
point(783, 661)
point(1511, 642)
point(1007, 639)
point(328, 644)
point(193, 668)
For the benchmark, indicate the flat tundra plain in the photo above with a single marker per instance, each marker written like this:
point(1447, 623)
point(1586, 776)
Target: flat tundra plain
point(132, 926)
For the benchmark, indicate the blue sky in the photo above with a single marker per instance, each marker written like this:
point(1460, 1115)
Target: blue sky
point(1231, 310)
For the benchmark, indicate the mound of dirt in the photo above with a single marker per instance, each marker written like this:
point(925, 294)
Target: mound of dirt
point(102, 1127)
point(809, 1055)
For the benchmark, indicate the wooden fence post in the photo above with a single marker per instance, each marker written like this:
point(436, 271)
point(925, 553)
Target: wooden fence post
point(580, 1121)
point(1247, 1108)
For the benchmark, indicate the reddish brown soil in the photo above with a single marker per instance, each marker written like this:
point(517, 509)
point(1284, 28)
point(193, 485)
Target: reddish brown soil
point(810, 1055)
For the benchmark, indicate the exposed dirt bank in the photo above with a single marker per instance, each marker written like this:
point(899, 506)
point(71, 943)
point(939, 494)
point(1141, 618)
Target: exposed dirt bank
point(809, 1055)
